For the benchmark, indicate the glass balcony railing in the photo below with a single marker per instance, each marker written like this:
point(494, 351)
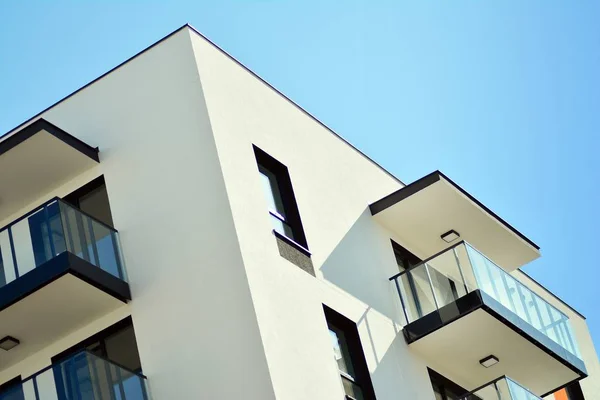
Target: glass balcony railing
point(52, 229)
point(501, 389)
point(446, 277)
point(82, 376)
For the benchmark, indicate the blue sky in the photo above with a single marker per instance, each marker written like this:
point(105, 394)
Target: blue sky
point(502, 96)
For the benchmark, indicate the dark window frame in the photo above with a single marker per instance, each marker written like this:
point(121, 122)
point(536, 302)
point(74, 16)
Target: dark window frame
point(574, 391)
point(97, 337)
point(355, 351)
point(444, 383)
point(74, 198)
point(408, 260)
point(286, 191)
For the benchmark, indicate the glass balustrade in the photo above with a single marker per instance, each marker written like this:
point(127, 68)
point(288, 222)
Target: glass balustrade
point(52, 229)
point(461, 269)
point(83, 376)
point(501, 389)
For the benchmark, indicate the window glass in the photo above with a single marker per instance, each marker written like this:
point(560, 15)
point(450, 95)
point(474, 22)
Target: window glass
point(340, 351)
point(96, 204)
point(351, 389)
point(344, 363)
point(271, 190)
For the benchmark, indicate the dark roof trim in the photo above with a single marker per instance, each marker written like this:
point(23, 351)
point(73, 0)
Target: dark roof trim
point(552, 294)
point(43, 125)
point(428, 180)
point(232, 59)
point(404, 192)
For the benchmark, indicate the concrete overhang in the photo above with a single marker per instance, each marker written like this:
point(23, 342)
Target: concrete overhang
point(418, 214)
point(54, 300)
point(37, 159)
point(458, 336)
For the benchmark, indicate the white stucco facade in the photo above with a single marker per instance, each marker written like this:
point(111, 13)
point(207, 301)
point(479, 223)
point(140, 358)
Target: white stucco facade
point(218, 312)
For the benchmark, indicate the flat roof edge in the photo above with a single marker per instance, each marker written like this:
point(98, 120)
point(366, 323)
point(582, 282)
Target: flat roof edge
point(41, 124)
point(196, 31)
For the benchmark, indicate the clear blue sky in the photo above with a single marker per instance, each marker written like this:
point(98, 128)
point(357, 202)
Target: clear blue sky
point(502, 96)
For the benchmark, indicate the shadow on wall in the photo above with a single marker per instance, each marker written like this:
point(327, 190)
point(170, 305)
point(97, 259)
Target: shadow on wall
point(361, 265)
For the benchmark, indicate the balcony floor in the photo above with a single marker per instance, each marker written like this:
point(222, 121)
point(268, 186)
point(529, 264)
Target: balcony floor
point(457, 336)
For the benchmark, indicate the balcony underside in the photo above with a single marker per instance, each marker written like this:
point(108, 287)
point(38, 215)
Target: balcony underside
point(37, 159)
point(458, 335)
point(422, 211)
point(53, 300)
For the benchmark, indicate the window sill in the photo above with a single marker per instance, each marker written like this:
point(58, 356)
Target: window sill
point(292, 243)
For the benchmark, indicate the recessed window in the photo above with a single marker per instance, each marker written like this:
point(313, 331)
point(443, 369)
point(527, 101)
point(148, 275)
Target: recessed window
point(349, 357)
point(92, 199)
point(444, 388)
point(571, 392)
point(278, 191)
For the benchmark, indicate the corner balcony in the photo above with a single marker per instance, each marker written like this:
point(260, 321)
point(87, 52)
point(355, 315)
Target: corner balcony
point(82, 376)
point(501, 389)
point(461, 309)
point(59, 270)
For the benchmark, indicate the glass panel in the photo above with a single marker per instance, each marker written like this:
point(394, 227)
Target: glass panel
point(351, 389)
point(271, 190)
point(340, 351)
point(76, 239)
point(2, 275)
point(40, 240)
point(96, 204)
point(92, 241)
point(446, 278)
point(81, 377)
point(501, 389)
point(519, 299)
point(518, 392)
point(106, 248)
point(461, 269)
point(421, 291)
point(408, 296)
point(281, 227)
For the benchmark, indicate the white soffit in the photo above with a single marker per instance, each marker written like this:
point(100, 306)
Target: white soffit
point(422, 211)
point(37, 159)
point(458, 347)
point(50, 313)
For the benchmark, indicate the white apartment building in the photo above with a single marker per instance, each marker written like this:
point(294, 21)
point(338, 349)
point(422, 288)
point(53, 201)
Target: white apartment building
point(258, 256)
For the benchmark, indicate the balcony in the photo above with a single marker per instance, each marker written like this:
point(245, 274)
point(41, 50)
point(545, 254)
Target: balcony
point(37, 159)
point(82, 376)
point(59, 270)
point(419, 213)
point(501, 389)
point(460, 308)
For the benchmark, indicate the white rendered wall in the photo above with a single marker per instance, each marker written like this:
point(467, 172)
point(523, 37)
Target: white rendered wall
point(352, 254)
point(195, 324)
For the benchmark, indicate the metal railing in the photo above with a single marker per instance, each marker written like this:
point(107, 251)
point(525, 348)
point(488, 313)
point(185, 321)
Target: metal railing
point(447, 276)
point(502, 388)
point(51, 229)
point(81, 376)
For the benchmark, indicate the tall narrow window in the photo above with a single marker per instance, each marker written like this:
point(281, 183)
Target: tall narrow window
point(349, 357)
point(277, 186)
